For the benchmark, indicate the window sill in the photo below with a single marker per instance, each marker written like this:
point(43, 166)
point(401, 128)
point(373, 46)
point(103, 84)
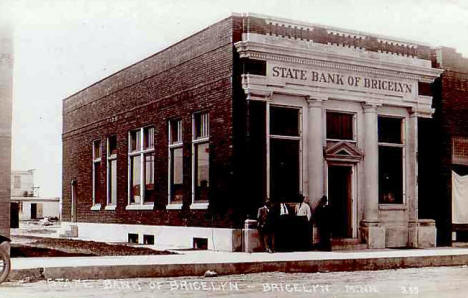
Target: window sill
point(199, 206)
point(140, 207)
point(174, 206)
point(110, 207)
point(96, 207)
point(392, 207)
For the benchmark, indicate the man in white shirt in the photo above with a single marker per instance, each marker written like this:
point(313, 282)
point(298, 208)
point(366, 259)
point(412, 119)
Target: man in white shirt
point(303, 208)
point(304, 215)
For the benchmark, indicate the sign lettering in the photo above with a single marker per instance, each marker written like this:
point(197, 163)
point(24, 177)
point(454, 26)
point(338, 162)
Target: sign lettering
point(317, 77)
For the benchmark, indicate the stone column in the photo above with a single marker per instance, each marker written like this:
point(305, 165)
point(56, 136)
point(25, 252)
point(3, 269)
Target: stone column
point(315, 150)
point(371, 231)
point(411, 178)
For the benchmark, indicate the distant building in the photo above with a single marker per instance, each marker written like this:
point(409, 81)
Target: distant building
point(443, 150)
point(183, 146)
point(6, 93)
point(22, 183)
point(25, 202)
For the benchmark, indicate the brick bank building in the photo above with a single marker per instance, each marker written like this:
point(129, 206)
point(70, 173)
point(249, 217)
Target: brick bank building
point(180, 148)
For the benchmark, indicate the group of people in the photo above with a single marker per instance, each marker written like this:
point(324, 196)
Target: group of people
point(278, 222)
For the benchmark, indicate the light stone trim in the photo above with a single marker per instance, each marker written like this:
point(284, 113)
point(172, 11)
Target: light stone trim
point(422, 74)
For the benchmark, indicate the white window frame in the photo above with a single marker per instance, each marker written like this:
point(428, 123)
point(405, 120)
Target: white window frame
point(141, 152)
point(110, 158)
point(354, 139)
point(204, 138)
point(96, 160)
point(403, 160)
point(173, 145)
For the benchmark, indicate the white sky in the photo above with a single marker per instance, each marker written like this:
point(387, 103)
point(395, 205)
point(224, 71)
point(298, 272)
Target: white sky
point(64, 46)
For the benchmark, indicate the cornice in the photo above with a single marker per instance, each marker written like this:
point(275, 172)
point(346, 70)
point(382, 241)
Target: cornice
point(318, 58)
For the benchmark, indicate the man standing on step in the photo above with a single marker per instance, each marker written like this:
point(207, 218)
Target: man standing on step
point(323, 216)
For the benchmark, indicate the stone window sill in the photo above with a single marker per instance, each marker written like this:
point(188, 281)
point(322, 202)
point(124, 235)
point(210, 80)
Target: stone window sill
point(392, 207)
point(199, 205)
point(110, 207)
point(96, 207)
point(140, 207)
point(174, 206)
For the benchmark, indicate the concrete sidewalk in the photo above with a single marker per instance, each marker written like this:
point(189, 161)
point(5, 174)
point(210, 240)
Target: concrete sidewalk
point(195, 263)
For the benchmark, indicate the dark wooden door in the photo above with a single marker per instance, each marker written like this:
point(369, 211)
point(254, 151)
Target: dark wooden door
point(33, 210)
point(339, 193)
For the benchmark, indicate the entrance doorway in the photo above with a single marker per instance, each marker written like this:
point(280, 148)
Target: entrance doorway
point(33, 211)
point(340, 199)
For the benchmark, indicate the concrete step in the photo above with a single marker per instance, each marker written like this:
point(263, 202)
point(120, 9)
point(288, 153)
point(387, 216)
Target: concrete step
point(347, 244)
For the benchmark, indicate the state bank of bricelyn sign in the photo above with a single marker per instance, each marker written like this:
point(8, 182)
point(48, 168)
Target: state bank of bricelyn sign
point(339, 80)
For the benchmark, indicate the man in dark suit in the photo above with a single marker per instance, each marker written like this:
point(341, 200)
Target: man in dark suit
point(323, 215)
point(265, 226)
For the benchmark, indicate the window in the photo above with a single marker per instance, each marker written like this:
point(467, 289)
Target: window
point(284, 121)
point(340, 126)
point(284, 149)
point(391, 160)
point(112, 171)
point(141, 166)
point(17, 182)
point(132, 238)
point(460, 150)
point(201, 158)
point(96, 171)
point(148, 239)
point(176, 156)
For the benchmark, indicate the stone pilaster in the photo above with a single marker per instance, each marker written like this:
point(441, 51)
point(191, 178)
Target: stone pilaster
point(315, 152)
point(371, 231)
point(411, 178)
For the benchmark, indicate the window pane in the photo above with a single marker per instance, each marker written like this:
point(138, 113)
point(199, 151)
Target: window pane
point(390, 130)
point(135, 166)
point(284, 121)
point(201, 125)
point(112, 145)
point(176, 131)
point(96, 149)
point(390, 175)
point(284, 170)
point(148, 133)
point(113, 182)
point(97, 184)
point(202, 171)
point(339, 126)
point(177, 160)
point(135, 140)
point(177, 175)
point(149, 177)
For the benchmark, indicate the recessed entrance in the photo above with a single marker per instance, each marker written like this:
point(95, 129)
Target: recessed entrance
point(340, 199)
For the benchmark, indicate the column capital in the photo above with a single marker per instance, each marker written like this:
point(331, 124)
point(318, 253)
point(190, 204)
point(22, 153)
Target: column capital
point(413, 111)
point(315, 101)
point(370, 107)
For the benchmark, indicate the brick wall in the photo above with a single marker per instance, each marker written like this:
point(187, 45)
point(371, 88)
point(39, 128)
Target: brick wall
point(192, 75)
point(6, 84)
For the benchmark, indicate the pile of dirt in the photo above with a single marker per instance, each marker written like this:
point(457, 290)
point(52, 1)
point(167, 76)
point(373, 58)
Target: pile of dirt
point(47, 247)
point(23, 251)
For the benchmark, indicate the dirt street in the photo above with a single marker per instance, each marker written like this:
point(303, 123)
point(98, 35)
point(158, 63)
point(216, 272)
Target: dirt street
point(422, 282)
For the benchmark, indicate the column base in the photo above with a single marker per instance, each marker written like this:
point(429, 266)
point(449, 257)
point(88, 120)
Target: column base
point(373, 234)
point(252, 241)
point(422, 234)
